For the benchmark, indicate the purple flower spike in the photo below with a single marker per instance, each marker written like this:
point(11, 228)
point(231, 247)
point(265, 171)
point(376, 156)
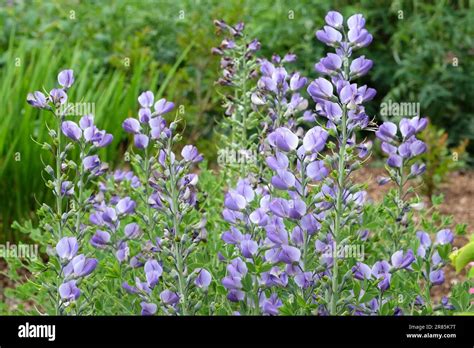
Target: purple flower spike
point(66, 78)
point(280, 207)
point(437, 277)
point(381, 271)
point(71, 130)
point(203, 279)
point(168, 297)
point(297, 209)
point(69, 291)
point(254, 45)
point(131, 125)
point(270, 306)
point(67, 248)
point(153, 266)
point(146, 99)
point(424, 238)
point(444, 237)
point(406, 128)
point(153, 271)
point(123, 252)
point(86, 121)
point(283, 180)
point(417, 148)
point(162, 106)
point(144, 115)
point(284, 139)
point(37, 100)
point(148, 308)
point(359, 37)
point(418, 123)
point(245, 189)
point(280, 161)
point(141, 141)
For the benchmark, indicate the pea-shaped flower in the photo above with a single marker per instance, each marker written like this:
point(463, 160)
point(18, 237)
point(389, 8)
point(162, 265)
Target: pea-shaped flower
point(67, 248)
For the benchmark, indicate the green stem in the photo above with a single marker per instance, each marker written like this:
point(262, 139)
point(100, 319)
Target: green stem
point(243, 78)
point(177, 239)
point(58, 177)
point(81, 190)
point(341, 172)
point(150, 223)
point(58, 202)
point(341, 175)
point(399, 203)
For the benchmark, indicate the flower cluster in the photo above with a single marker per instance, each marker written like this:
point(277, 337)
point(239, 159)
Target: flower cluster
point(278, 93)
point(237, 53)
point(167, 196)
point(428, 252)
point(73, 268)
point(69, 182)
point(277, 233)
point(246, 210)
point(239, 71)
point(339, 101)
point(403, 147)
point(295, 223)
point(149, 124)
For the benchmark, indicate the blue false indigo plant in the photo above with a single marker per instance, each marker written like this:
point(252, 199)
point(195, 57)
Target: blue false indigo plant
point(167, 209)
point(295, 225)
point(239, 72)
point(402, 150)
point(339, 101)
point(68, 182)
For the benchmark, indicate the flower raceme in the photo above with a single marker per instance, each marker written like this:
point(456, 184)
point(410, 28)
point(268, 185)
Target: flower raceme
point(68, 184)
point(165, 191)
point(339, 101)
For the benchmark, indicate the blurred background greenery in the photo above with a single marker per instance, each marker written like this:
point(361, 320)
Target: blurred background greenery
point(423, 52)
